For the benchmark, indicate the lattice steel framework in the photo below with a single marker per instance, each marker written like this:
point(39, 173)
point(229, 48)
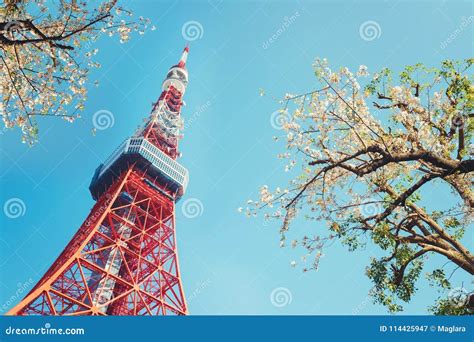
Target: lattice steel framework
point(123, 260)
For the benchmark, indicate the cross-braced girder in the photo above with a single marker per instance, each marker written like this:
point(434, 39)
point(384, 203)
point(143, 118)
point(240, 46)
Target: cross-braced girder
point(122, 261)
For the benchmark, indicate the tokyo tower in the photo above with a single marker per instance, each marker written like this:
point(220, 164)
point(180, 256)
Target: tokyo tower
point(123, 260)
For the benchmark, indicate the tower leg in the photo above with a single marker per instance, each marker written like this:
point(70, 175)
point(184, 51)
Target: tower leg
point(122, 261)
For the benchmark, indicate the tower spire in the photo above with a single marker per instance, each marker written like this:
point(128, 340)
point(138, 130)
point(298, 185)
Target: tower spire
point(184, 57)
point(165, 123)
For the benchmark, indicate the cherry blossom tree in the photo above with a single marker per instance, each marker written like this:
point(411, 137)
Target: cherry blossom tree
point(361, 151)
point(46, 53)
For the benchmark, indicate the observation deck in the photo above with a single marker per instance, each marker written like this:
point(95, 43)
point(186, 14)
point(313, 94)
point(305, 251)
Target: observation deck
point(137, 150)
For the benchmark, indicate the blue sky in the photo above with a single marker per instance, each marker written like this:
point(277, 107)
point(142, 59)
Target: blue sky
point(229, 264)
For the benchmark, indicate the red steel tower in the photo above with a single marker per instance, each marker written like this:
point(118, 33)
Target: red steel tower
point(124, 259)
